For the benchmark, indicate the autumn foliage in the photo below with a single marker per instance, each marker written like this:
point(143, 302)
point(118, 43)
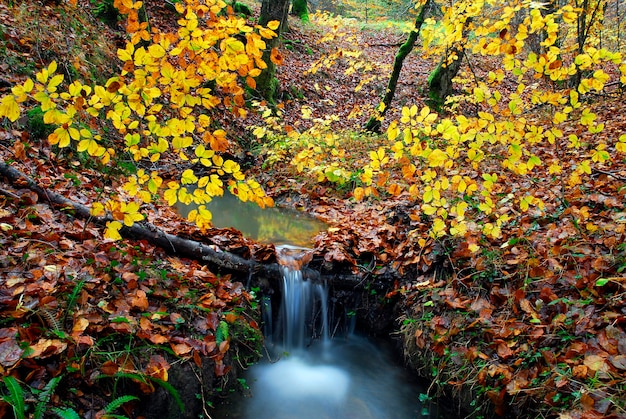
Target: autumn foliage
point(500, 219)
point(517, 188)
point(161, 104)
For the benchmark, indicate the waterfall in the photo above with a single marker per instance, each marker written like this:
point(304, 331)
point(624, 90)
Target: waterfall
point(308, 376)
point(303, 313)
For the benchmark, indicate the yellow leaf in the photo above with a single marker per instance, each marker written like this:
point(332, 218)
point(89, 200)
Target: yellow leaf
point(171, 195)
point(428, 194)
point(188, 177)
point(393, 131)
point(181, 142)
point(428, 209)
point(126, 54)
point(131, 217)
point(113, 230)
point(358, 193)
point(9, 108)
point(525, 202)
point(97, 209)
point(559, 117)
point(156, 51)
point(554, 169)
point(273, 25)
point(584, 167)
point(54, 82)
point(230, 166)
point(437, 158)
point(438, 228)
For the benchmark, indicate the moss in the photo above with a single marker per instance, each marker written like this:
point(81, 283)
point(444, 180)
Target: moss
point(241, 8)
point(300, 9)
point(37, 128)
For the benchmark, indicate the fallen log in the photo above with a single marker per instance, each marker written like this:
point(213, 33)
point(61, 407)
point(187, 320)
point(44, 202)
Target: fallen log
point(171, 243)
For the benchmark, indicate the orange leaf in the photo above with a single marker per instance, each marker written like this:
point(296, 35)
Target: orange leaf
point(181, 348)
point(158, 339)
point(140, 300)
point(46, 347)
point(79, 326)
point(231, 317)
point(157, 367)
point(276, 57)
point(358, 193)
point(394, 189)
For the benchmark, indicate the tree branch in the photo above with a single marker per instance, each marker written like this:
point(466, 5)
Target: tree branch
point(170, 243)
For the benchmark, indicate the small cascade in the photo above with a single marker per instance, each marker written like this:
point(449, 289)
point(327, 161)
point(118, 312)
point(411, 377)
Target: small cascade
point(303, 311)
point(307, 374)
point(300, 383)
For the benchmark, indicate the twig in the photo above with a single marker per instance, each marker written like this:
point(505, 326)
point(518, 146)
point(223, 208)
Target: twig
point(613, 175)
point(9, 193)
point(201, 392)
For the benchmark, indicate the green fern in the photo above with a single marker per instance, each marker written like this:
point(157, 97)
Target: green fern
point(71, 301)
point(44, 397)
point(66, 413)
point(144, 379)
point(15, 397)
point(221, 334)
point(117, 403)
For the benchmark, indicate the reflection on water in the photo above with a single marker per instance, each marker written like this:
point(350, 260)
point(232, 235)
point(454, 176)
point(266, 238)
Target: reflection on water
point(267, 225)
point(339, 379)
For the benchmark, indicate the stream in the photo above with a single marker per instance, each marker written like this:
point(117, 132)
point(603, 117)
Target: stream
point(310, 371)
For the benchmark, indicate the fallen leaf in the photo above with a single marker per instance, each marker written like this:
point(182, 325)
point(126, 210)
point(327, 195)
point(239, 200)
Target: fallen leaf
point(181, 348)
point(618, 361)
point(46, 347)
point(10, 353)
point(596, 363)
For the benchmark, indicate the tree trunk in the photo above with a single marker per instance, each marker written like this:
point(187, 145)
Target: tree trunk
point(300, 8)
point(440, 80)
point(266, 82)
point(586, 20)
point(374, 123)
point(536, 39)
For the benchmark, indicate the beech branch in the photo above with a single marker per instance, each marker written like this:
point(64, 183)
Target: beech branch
point(170, 243)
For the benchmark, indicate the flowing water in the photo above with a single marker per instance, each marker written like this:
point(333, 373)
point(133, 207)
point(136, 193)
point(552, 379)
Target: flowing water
point(308, 375)
point(309, 371)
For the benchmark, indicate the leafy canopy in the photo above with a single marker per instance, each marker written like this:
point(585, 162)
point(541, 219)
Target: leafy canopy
point(160, 104)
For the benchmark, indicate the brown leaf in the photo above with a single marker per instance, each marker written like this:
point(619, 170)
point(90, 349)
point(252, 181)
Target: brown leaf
point(180, 348)
point(140, 300)
point(10, 353)
point(618, 361)
point(109, 368)
point(504, 351)
point(46, 347)
point(596, 363)
point(587, 402)
point(79, 326)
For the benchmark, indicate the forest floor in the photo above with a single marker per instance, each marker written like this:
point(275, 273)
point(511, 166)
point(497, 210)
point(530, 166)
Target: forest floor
point(531, 325)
